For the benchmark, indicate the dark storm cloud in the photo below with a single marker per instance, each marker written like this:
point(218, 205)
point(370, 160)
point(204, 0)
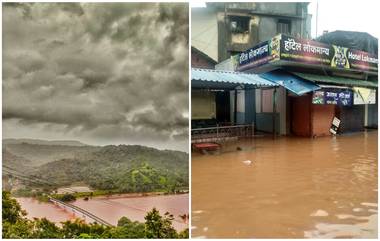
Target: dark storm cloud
point(114, 72)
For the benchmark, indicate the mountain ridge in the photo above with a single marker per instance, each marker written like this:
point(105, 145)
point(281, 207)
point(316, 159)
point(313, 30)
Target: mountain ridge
point(43, 142)
point(125, 168)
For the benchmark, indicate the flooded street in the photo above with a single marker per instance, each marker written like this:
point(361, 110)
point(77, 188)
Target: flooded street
point(287, 188)
point(112, 208)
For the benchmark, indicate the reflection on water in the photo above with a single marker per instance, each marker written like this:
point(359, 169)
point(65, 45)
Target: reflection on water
point(112, 208)
point(292, 187)
point(36, 209)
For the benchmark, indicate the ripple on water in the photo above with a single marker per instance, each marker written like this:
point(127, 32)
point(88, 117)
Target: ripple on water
point(198, 211)
point(319, 213)
point(350, 216)
point(359, 230)
point(358, 209)
point(369, 204)
point(313, 185)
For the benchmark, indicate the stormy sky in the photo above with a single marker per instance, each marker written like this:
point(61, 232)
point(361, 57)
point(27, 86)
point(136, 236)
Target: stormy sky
point(113, 73)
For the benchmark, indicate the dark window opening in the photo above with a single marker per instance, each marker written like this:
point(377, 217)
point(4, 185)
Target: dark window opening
point(284, 26)
point(233, 53)
point(239, 24)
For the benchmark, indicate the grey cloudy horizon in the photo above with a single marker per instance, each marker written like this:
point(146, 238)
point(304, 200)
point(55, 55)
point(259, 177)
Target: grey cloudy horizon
point(99, 73)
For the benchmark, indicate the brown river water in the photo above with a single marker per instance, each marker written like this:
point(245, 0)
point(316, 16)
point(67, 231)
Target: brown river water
point(287, 188)
point(112, 208)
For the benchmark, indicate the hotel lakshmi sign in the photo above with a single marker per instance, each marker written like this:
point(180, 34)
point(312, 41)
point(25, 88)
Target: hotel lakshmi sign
point(282, 47)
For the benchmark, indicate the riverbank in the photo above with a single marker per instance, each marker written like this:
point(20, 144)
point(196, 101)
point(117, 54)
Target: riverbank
point(117, 194)
point(43, 197)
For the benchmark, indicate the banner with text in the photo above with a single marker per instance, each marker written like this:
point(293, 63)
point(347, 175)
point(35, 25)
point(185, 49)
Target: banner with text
point(283, 47)
point(342, 97)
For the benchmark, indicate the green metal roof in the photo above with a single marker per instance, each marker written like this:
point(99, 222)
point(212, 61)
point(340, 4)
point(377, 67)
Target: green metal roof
point(295, 84)
point(337, 80)
point(207, 78)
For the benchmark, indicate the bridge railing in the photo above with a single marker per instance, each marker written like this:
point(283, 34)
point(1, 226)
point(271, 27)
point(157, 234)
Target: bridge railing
point(84, 212)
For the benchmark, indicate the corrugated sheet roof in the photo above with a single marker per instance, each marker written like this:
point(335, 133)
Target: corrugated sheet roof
point(226, 79)
point(291, 82)
point(337, 80)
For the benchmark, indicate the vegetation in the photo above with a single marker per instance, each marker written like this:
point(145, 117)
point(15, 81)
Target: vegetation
point(15, 225)
point(38, 168)
point(67, 198)
point(114, 169)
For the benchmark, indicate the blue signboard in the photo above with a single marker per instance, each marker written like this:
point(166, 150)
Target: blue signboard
point(256, 56)
point(343, 97)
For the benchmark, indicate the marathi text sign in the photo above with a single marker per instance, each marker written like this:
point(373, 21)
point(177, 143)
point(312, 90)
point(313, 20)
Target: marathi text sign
point(304, 51)
point(307, 51)
point(255, 56)
point(260, 54)
point(342, 97)
point(283, 47)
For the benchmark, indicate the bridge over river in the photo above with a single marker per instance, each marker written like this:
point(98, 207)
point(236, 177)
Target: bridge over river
point(87, 216)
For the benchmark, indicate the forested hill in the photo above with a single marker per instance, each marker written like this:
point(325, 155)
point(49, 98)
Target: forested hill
point(124, 168)
point(39, 154)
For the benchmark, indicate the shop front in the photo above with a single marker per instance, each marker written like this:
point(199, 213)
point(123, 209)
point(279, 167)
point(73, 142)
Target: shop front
point(223, 103)
point(321, 82)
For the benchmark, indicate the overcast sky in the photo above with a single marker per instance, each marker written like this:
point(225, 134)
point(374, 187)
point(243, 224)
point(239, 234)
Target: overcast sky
point(98, 73)
point(334, 15)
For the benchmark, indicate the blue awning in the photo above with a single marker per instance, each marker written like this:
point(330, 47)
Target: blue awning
point(291, 82)
point(217, 79)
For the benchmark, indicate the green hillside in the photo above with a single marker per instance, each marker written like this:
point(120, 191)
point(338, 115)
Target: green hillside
point(123, 168)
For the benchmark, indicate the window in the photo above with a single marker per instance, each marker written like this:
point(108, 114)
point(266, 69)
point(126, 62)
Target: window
point(284, 26)
point(233, 53)
point(239, 24)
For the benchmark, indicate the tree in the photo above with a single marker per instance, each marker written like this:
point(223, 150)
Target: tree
point(43, 228)
point(157, 226)
point(19, 229)
point(128, 229)
point(16, 225)
point(73, 229)
point(184, 234)
point(11, 209)
point(67, 198)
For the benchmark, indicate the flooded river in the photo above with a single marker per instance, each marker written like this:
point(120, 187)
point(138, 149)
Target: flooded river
point(287, 188)
point(112, 208)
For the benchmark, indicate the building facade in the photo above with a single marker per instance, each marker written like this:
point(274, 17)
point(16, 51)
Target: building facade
point(201, 60)
point(222, 30)
point(344, 79)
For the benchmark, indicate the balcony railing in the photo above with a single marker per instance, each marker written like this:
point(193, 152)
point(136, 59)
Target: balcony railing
point(221, 133)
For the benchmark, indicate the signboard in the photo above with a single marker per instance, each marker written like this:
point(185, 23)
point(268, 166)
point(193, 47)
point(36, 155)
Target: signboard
point(260, 54)
point(308, 51)
point(283, 47)
point(305, 51)
point(343, 97)
point(334, 126)
point(364, 96)
point(318, 97)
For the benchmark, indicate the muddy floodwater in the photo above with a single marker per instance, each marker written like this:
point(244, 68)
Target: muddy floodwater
point(112, 208)
point(287, 188)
